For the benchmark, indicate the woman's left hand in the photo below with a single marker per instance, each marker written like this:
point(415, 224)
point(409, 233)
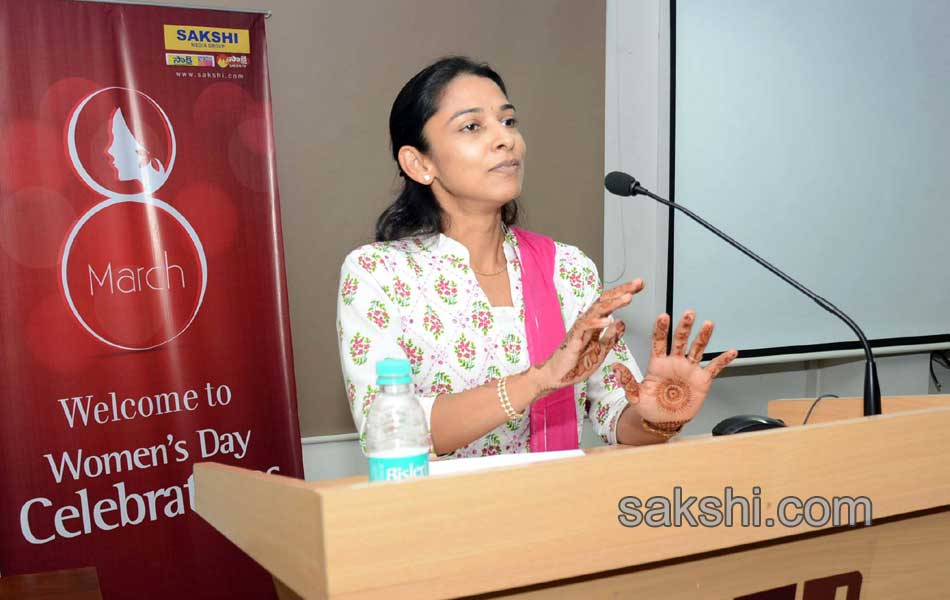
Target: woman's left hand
point(675, 386)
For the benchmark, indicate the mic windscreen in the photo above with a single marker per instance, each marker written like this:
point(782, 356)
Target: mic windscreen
point(619, 183)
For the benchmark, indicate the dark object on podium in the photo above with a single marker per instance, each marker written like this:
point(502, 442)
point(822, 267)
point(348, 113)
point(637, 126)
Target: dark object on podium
point(744, 423)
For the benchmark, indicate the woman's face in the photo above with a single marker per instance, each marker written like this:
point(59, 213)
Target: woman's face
point(475, 149)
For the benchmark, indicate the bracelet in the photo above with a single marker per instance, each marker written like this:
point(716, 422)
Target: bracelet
point(502, 388)
point(664, 430)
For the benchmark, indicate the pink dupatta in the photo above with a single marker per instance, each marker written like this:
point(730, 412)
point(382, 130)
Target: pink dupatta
point(553, 417)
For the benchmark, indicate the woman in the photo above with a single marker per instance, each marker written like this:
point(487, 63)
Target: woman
point(480, 308)
point(130, 160)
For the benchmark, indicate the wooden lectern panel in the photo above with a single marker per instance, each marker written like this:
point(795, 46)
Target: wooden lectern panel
point(838, 409)
point(543, 524)
point(904, 559)
point(274, 519)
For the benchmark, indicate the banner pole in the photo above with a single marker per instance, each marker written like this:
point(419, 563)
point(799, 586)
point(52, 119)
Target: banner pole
point(267, 13)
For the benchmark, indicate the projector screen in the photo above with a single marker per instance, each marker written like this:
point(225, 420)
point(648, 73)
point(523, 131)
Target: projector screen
point(817, 134)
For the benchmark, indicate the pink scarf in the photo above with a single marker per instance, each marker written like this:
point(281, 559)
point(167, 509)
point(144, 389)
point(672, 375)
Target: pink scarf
point(553, 417)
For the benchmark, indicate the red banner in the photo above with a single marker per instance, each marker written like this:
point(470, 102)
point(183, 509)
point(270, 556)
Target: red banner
point(143, 308)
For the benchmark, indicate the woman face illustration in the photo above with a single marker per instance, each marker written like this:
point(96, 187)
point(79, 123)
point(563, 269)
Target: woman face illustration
point(124, 139)
point(129, 157)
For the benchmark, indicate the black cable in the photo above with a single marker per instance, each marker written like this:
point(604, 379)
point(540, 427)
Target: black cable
point(815, 403)
point(942, 357)
point(934, 375)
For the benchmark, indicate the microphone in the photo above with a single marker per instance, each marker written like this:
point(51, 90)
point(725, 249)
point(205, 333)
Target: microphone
point(622, 184)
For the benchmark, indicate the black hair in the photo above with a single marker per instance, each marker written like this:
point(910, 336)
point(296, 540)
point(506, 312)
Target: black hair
point(415, 210)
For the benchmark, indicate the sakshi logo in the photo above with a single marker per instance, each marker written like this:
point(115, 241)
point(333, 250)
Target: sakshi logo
point(229, 60)
point(189, 60)
point(190, 38)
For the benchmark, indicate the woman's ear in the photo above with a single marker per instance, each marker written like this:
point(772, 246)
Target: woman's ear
point(415, 165)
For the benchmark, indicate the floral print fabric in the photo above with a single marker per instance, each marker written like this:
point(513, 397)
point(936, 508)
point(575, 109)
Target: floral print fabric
point(418, 299)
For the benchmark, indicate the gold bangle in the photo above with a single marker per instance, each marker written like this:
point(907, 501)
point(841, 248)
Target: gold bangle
point(664, 430)
point(502, 388)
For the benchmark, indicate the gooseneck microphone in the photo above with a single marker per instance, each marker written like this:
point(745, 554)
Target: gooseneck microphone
point(622, 184)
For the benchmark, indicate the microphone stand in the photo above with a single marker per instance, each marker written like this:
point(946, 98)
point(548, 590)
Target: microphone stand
point(872, 388)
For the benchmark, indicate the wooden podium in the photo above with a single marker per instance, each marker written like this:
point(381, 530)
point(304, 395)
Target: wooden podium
point(554, 530)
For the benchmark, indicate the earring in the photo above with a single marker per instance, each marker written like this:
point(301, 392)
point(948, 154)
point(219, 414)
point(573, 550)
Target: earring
point(427, 178)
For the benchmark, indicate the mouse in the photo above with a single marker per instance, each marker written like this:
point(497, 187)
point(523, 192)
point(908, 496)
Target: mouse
point(744, 423)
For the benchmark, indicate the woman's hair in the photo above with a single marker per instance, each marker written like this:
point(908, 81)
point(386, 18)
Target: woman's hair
point(416, 211)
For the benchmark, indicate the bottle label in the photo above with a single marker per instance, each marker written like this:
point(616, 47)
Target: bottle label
point(397, 468)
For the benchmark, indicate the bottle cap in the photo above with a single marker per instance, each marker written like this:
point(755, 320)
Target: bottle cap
point(393, 371)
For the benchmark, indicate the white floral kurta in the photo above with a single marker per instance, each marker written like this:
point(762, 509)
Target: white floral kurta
point(418, 299)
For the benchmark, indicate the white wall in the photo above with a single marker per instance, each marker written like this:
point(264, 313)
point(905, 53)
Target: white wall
point(826, 157)
point(636, 141)
point(635, 229)
point(332, 457)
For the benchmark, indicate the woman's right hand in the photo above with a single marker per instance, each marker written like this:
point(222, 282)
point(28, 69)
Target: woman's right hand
point(584, 349)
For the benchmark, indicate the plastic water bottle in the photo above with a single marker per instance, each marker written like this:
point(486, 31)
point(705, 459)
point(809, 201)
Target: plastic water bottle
point(397, 438)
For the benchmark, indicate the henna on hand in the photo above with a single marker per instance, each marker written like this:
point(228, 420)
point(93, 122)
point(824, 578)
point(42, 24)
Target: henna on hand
point(674, 395)
point(675, 386)
point(584, 339)
point(699, 344)
point(681, 335)
point(590, 357)
point(542, 388)
point(719, 363)
point(628, 382)
point(660, 331)
point(594, 353)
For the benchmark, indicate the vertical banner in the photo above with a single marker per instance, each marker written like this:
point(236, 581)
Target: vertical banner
point(143, 308)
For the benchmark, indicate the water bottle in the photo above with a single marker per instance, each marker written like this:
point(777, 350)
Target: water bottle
point(397, 438)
